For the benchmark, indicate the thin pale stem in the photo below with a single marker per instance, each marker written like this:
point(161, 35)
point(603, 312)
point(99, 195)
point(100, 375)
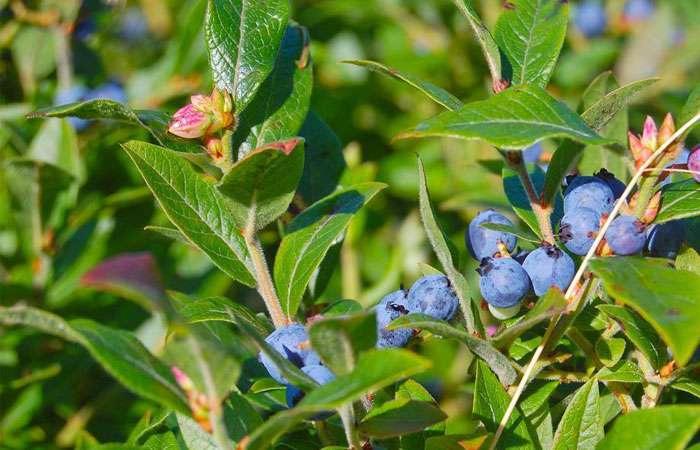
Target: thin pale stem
point(265, 286)
point(571, 291)
point(347, 416)
point(542, 213)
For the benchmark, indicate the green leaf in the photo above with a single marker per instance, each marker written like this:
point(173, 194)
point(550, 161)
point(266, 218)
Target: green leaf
point(514, 230)
point(624, 372)
point(262, 184)
point(601, 109)
point(600, 113)
point(667, 298)
point(243, 37)
point(581, 426)
point(216, 309)
point(609, 350)
point(688, 382)
point(549, 305)
point(323, 159)
point(155, 122)
point(514, 119)
point(483, 349)
point(280, 107)
point(531, 34)
point(435, 93)
point(117, 351)
point(489, 48)
point(441, 245)
point(490, 404)
point(339, 340)
point(194, 435)
point(639, 332)
point(679, 200)
point(168, 232)
point(195, 207)
point(399, 417)
point(691, 106)
point(667, 427)
point(310, 236)
point(688, 259)
point(375, 370)
point(125, 358)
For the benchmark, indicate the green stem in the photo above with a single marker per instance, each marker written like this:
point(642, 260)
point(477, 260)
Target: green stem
point(542, 213)
point(265, 286)
point(347, 416)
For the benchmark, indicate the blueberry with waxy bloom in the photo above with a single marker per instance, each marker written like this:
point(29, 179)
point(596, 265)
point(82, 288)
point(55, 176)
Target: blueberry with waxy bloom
point(694, 162)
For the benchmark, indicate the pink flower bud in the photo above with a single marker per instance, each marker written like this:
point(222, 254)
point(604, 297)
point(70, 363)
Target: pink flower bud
point(215, 148)
point(189, 122)
point(182, 379)
point(202, 103)
point(649, 134)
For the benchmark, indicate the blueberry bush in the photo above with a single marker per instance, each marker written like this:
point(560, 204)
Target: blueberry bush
point(191, 259)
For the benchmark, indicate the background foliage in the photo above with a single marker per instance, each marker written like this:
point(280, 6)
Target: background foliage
point(53, 394)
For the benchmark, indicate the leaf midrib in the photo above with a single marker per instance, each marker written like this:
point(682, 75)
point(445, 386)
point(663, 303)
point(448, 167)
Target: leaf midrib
point(241, 258)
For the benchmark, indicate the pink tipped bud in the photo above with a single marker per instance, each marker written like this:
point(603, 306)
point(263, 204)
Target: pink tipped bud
point(221, 101)
point(636, 147)
point(182, 379)
point(650, 134)
point(215, 148)
point(668, 127)
point(189, 122)
point(694, 162)
point(652, 208)
point(202, 103)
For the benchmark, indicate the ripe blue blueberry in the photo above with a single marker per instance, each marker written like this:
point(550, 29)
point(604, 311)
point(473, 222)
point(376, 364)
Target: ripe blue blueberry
point(391, 307)
point(665, 239)
point(590, 18)
point(292, 342)
point(548, 266)
point(617, 186)
point(483, 242)
point(433, 295)
point(588, 192)
point(504, 283)
point(319, 374)
point(626, 235)
point(578, 230)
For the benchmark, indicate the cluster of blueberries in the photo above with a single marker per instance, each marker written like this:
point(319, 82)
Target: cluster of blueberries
point(504, 280)
point(431, 295)
point(507, 278)
point(587, 202)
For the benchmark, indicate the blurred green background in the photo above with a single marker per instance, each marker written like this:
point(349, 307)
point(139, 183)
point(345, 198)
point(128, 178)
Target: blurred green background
point(151, 54)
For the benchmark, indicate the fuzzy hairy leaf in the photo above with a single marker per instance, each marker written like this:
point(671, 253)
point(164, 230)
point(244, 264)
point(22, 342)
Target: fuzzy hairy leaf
point(679, 200)
point(195, 207)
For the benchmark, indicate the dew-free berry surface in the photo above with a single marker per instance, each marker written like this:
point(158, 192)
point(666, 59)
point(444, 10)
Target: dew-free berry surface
point(433, 295)
point(665, 239)
point(549, 266)
point(389, 308)
point(588, 192)
point(483, 242)
point(626, 235)
point(578, 230)
point(503, 283)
